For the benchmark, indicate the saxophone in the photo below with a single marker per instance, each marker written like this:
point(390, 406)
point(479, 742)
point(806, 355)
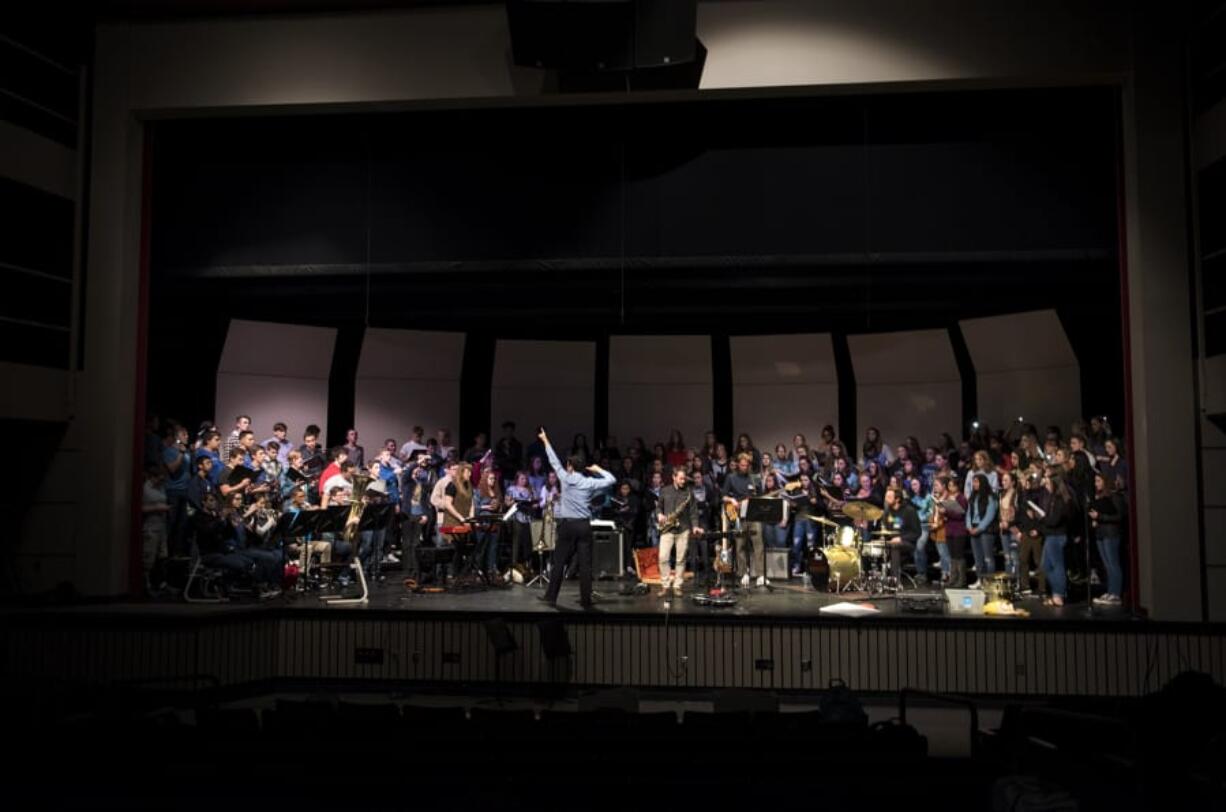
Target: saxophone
point(673, 520)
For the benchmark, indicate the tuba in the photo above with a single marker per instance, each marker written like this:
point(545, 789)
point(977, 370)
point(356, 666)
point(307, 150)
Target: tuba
point(356, 503)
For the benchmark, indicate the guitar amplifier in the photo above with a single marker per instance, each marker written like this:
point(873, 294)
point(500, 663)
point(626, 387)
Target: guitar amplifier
point(777, 564)
point(607, 553)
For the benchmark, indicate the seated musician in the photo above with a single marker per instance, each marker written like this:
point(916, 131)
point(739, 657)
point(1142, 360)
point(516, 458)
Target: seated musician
point(338, 496)
point(298, 503)
point(902, 518)
point(263, 565)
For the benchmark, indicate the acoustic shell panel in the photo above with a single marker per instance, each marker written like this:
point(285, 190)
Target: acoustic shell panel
point(907, 383)
point(407, 378)
point(274, 373)
point(550, 383)
point(1024, 367)
point(783, 385)
point(657, 384)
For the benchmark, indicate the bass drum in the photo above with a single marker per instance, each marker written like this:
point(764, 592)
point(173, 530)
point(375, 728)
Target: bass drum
point(844, 567)
point(832, 568)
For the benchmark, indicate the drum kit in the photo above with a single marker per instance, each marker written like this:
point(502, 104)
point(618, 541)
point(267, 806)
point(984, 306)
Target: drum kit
point(844, 562)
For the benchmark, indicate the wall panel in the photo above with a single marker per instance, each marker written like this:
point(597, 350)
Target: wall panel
point(907, 383)
point(782, 385)
point(1024, 367)
point(657, 384)
point(550, 383)
point(274, 373)
point(407, 378)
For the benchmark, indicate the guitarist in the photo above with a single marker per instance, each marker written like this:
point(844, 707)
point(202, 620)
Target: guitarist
point(739, 486)
point(677, 517)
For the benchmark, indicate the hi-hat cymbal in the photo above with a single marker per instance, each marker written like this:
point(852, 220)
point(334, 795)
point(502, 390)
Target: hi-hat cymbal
point(863, 511)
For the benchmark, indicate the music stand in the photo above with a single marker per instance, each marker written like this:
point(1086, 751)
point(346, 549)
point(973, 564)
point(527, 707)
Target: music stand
point(766, 510)
point(333, 521)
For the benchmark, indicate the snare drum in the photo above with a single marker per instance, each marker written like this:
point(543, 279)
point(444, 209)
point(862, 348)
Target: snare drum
point(873, 549)
point(844, 565)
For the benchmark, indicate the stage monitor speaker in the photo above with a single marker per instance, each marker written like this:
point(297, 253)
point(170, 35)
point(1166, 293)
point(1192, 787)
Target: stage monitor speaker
point(602, 35)
point(607, 554)
point(777, 564)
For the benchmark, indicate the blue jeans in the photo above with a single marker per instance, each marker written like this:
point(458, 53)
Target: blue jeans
point(370, 550)
point(774, 536)
point(984, 548)
point(487, 542)
point(1109, 550)
point(1053, 565)
point(1009, 543)
point(804, 534)
point(921, 555)
point(943, 554)
point(267, 564)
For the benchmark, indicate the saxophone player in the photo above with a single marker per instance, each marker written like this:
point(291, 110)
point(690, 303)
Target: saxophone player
point(677, 518)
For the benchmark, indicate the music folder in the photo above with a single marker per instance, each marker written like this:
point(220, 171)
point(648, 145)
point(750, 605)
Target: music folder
point(240, 472)
point(952, 507)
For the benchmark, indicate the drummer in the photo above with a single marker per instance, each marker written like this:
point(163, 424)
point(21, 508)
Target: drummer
point(902, 519)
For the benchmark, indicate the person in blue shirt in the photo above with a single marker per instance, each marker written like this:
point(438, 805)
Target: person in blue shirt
point(179, 470)
point(209, 445)
point(573, 516)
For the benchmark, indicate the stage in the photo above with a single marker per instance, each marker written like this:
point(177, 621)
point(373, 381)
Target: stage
point(772, 639)
point(786, 601)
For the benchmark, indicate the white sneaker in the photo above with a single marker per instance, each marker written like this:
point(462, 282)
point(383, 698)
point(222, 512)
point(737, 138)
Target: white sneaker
point(745, 579)
point(761, 580)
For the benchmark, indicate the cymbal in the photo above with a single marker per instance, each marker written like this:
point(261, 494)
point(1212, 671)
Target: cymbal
point(863, 511)
point(820, 520)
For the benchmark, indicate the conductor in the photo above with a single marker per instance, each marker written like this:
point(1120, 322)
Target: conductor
point(574, 515)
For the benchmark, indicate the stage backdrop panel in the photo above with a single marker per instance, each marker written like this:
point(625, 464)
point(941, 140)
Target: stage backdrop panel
point(274, 373)
point(906, 383)
point(657, 384)
point(1024, 367)
point(550, 383)
point(782, 385)
point(408, 378)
